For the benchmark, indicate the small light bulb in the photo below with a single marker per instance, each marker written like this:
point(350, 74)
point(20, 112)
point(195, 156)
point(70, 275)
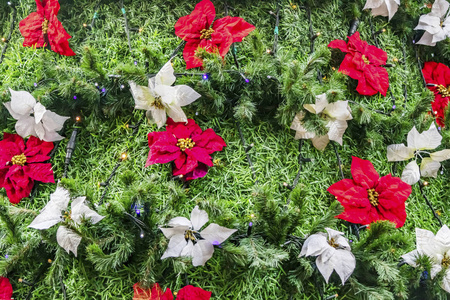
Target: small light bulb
point(124, 156)
point(142, 235)
point(383, 30)
point(318, 34)
point(84, 25)
point(3, 39)
point(77, 118)
point(252, 215)
point(141, 29)
point(425, 183)
point(50, 261)
point(268, 51)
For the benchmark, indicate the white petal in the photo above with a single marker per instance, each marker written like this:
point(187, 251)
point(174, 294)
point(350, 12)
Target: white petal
point(52, 121)
point(12, 112)
point(51, 213)
point(435, 269)
point(198, 218)
point(321, 103)
point(320, 142)
point(426, 140)
point(39, 111)
point(411, 257)
point(25, 126)
point(344, 263)
point(185, 95)
point(323, 263)
point(411, 173)
point(425, 242)
point(82, 211)
point(336, 130)
point(392, 7)
point(188, 250)
point(339, 110)
point(446, 281)
point(429, 23)
point(310, 107)
point(142, 95)
point(68, 239)
point(176, 245)
point(429, 167)
point(158, 116)
point(399, 152)
point(440, 155)
point(176, 113)
point(39, 130)
point(167, 93)
point(338, 238)
point(203, 250)
point(170, 232)
point(216, 233)
point(443, 236)
point(165, 75)
point(426, 39)
point(315, 245)
point(180, 221)
point(439, 8)
point(22, 103)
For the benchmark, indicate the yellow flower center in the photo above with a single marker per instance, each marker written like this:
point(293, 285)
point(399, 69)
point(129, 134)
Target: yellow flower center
point(366, 60)
point(45, 26)
point(332, 243)
point(189, 235)
point(158, 103)
point(373, 197)
point(185, 144)
point(67, 215)
point(206, 33)
point(19, 160)
point(444, 91)
point(445, 261)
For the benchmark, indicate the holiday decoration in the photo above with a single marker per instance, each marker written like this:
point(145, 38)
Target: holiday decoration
point(42, 28)
point(417, 143)
point(160, 97)
point(335, 115)
point(437, 77)
point(385, 8)
point(436, 24)
point(187, 240)
point(437, 248)
point(333, 254)
point(185, 144)
point(368, 198)
point(21, 164)
point(200, 29)
point(6, 289)
point(364, 63)
point(190, 292)
point(32, 117)
point(56, 212)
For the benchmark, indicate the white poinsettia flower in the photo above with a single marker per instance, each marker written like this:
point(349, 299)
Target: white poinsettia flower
point(417, 144)
point(436, 24)
point(33, 118)
point(336, 113)
point(56, 211)
point(437, 248)
point(333, 253)
point(160, 97)
point(187, 240)
point(385, 8)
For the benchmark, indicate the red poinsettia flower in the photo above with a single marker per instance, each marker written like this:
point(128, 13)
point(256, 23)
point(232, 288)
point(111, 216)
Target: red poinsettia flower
point(155, 293)
point(185, 144)
point(363, 62)
point(21, 165)
point(437, 77)
point(43, 28)
point(6, 289)
point(199, 29)
point(368, 198)
point(190, 292)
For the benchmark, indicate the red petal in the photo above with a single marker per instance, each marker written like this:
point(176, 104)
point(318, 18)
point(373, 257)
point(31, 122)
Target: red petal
point(377, 78)
point(58, 37)
point(37, 147)
point(355, 44)
point(364, 88)
point(200, 155)
point(392, 192)
point(16, 139)
point(348, 67)
point(51, 7)
point(348, 193)
point(17, 184)
point(396, 215)
point(189, 55)
point(359, 215)
point(181, 160)
point(200, 171)
point(236, 27)
point(339, 44)
point(210, 141)
point(31, 29)
point(376, 55)
point(364, 173)
point(6, 289)
point(193, 293)
point(190, 164)
point(188, 27)
point(183, 130)
point(40, 172)
point(156, 293)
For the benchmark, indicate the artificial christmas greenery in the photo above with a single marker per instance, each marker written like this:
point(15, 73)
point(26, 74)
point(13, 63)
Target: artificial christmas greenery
point(259, 184)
